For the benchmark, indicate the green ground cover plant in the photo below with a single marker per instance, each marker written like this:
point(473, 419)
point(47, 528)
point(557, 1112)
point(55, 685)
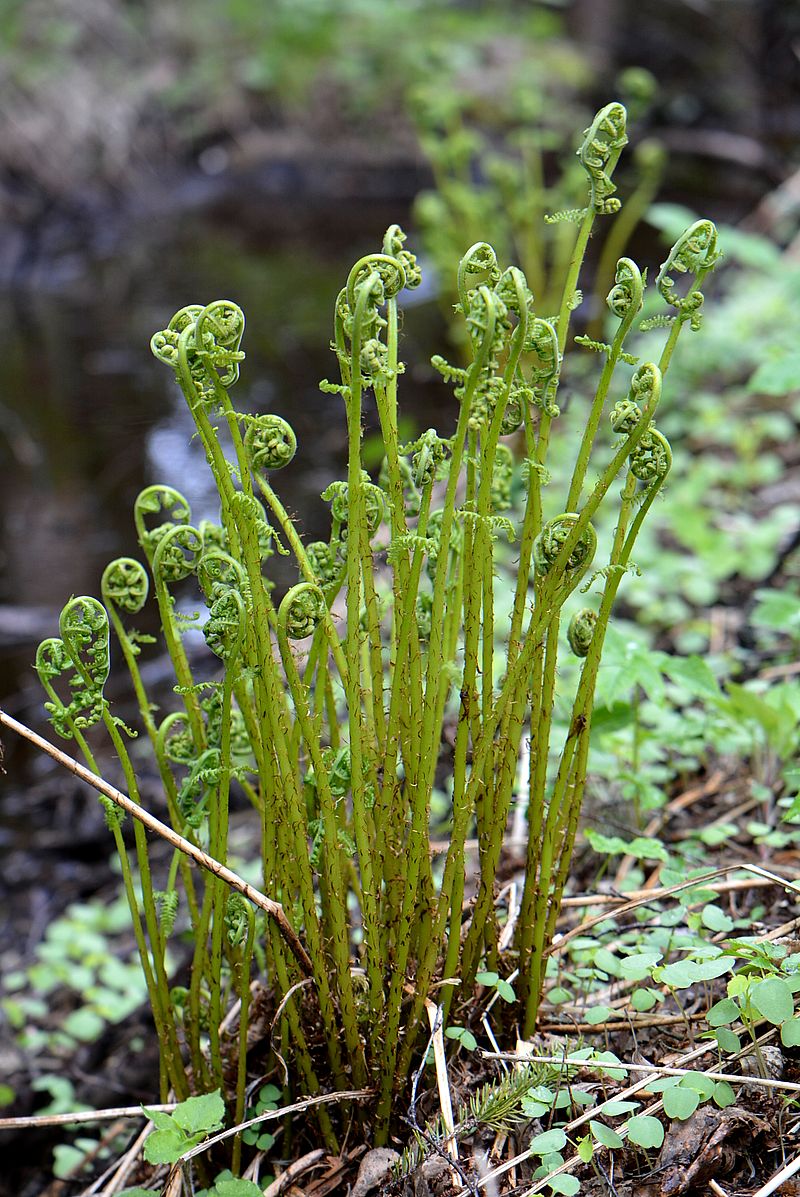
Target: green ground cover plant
point(330, 705)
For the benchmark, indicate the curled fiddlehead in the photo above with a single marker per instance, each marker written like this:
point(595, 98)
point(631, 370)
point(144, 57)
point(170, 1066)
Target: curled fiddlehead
point(218, 333)
point(478, 263)
point(226, 626)
point(549, 542)
point(374, 504)
point(388, 269)
point(164, 344)
point(301, 610)
point(177, 554)
point(158, 500)
point(270, 443)
point(217, 572)
point(625, 297)
point(393, 243)
point(428, 453)
point(599, 151)
point(543, 342)
point(651, 460)
point(238, 920)
point(174, 740)
point(53, 662)
point(502, 477)
point(695, 252)
point(625, 416)
point(324, 562)
point(84, 631)
point(125, 584)
point(200, 341)
point(214, 536)
point(581, 630)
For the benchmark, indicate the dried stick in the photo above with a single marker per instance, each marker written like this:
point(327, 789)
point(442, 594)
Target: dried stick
point(273, 909)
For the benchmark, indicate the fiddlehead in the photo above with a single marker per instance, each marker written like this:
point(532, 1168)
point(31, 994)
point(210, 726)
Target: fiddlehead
point(177, 554)
point(174, 741)
point(337, 494)
point(428, 452)
point(157, 501)
point(214, 536)
point(543, 342)
point(325, 564)
point(478, 263)
point(301, 610)
point(218, 333)
point(217, 572)
point(269, 442)
point(388, 269)
point(502, 478)
point(125, 584)
point(695, 252)
point(548, 544)
point(226, 626)
point(84, 631)
point(598, 153)
point(53, 662)
point(164, 344)
point(393, 243)
point(581, 630)
point(651, 460)
point(199, 341)
point(625, 297)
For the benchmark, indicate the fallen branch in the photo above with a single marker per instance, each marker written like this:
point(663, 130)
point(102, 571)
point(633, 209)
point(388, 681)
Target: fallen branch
point(273, 909)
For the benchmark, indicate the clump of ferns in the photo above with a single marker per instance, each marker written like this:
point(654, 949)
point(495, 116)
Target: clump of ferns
point(329, 705)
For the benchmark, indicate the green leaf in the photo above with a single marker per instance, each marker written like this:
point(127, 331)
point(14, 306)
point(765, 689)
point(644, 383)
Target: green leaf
point(728, 1040)
point(723, 1094)
point(680, 1102)
point(558, 995)
point(644, 999)
point(645, 1131)
point(585, 1149)
point(605, 1135)
point(205, 1113)
point(489, 979)
point(790, 1032)
point(677, 975)
point(607, 961)
point(166, 1147)
point(597, 1015)
point(699, 1083)
point(708, 970)
point(160, 1119)
point(551, 1140)
point(605, 1058)
point(716, 919)
point(7, 1095)
point(639, 966)
point(777, 376)
point(723, 1013)
point(614, 1107)
point(773, 999)
point(85, 1025)
point(694, 673)
point(67, 1159)
point(237, 1188)
point(564, 1183)
point(506, 990)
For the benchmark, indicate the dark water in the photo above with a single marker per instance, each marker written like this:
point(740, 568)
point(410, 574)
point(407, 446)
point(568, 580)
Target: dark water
point(89, 417)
